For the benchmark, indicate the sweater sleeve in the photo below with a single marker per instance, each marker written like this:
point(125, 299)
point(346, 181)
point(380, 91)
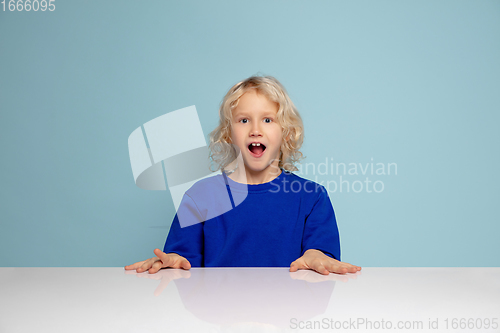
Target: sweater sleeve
point(187, 241)
point(321, 231)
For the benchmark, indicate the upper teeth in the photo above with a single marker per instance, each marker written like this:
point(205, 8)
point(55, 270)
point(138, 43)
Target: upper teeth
point(255, 144)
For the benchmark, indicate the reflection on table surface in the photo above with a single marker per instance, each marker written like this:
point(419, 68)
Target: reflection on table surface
point(243, 299)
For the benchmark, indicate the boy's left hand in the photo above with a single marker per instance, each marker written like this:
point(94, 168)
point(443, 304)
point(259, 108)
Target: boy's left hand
point(321, 263)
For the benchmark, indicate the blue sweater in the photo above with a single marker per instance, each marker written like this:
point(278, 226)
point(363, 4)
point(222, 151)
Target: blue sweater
point(222, 223)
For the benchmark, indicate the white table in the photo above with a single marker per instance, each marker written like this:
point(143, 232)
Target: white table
point(248, 300)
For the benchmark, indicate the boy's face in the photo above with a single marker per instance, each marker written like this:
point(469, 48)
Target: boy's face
point(256, 131)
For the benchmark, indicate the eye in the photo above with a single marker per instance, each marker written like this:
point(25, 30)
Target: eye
point(244, 120)
point(268, 120)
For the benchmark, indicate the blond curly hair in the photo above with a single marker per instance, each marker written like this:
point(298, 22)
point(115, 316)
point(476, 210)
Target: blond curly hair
point(222, 152)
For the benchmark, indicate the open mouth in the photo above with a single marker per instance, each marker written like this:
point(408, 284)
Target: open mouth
point(256, 149)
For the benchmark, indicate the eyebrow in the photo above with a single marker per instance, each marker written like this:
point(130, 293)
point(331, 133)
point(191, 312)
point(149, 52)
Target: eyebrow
point(245, 113)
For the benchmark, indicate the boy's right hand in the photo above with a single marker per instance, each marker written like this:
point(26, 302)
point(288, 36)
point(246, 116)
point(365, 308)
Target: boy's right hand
point(162, 260)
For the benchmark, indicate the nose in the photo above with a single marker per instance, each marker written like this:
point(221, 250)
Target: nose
point(255, 130)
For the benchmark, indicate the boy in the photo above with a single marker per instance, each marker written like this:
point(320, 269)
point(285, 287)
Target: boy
point(284, 220)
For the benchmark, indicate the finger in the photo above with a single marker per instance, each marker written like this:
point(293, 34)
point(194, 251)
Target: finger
point(155, 267)
point(179, 262)
point(345, 264)
point(158, 252)
point(341, 267)
point(348, 268)
point(294, 266)
point(298, 264)
point(358, 268)
point(185, 264)
point(337, 267)
point(147, 264)
point(135, 265)
point(319, 267)
point(351, 268)
point(165, 258)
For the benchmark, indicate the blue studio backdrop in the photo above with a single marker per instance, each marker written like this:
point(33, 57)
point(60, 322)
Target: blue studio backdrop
point(400, 102)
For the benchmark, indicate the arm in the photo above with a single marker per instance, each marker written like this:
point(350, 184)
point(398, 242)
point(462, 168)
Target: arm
point(321, 241)
point(184, 246)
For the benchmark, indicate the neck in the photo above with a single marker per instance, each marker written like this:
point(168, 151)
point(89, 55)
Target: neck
point(252, 177)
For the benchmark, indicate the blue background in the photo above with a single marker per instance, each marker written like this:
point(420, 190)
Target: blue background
point(414, 83)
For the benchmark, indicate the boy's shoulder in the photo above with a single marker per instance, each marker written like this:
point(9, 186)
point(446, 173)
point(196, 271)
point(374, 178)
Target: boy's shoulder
point(294, 177)
point(207, 184)
point(293, 183)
